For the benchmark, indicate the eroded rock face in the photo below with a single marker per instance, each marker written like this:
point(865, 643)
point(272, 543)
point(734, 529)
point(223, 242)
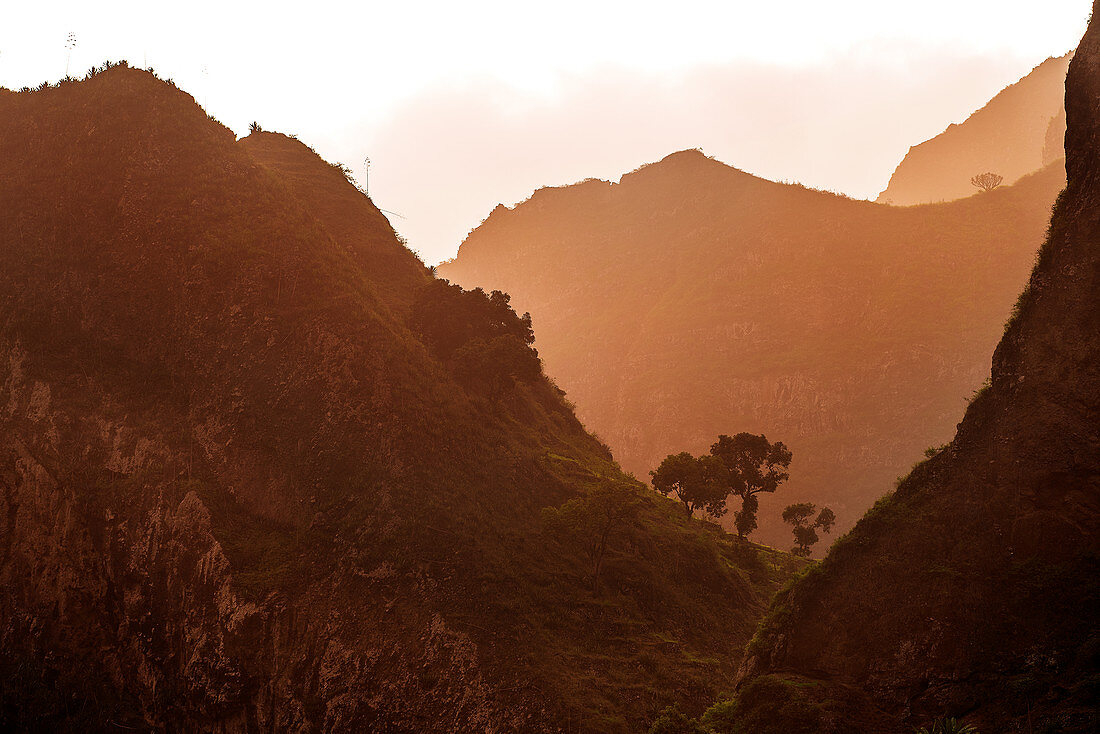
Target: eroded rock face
point(973, 590)
point(119, 604)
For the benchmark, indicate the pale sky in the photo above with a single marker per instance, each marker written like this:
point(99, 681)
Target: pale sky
point(461, 106)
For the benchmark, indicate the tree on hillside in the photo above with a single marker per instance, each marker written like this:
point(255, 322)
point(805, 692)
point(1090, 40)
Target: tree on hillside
point(590, 523)
point(986, 181)
point(751, 465)
point(446, 316)
point(495, 364)
point(484, 343)
point(695, 480)
point(805, 532)
point(744, 520)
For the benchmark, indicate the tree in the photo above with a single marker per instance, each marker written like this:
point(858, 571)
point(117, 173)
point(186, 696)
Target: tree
point(494, 365)
point(750, 465)
point(589, 523)
point(986, 181)
point(805, 532)
point(695, 480)
point(446, 316)
point(254, 127)
point(744, 520)
point(476, 335)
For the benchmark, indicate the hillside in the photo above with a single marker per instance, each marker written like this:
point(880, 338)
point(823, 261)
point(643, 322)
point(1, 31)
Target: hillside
point(248, 481)
point(692, 299)
point(347, 215)
point(1016, 133)
point(972, 591)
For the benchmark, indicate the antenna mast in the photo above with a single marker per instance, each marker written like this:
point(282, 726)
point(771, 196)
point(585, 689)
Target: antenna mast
point(70, 44)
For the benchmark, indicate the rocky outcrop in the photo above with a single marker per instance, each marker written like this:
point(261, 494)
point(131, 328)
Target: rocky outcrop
point(972, 591)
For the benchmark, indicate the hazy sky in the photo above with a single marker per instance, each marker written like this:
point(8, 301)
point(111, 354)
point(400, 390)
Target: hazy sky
point(461, 106)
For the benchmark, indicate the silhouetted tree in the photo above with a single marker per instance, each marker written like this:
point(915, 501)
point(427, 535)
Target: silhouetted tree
point(590, 522)
point(751, 465)
point(986, 181)
point(695, 480)
point(477, 335)
point(744, 520)
point(805, 531)
point(445, 317)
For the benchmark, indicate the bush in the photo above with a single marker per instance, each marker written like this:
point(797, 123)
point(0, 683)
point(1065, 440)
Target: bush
point(673, 721)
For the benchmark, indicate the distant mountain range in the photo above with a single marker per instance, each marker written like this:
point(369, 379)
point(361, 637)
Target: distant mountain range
point(692, 299)
point(1019, 131)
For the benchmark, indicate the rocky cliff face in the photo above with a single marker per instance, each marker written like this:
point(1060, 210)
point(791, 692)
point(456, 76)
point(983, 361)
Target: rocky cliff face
point(239, 493)
point(1019, 131)
point(973, 591)
point(692, 299)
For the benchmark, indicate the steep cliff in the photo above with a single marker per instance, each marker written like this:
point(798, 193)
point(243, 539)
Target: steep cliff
point(239, 492)
point(973, 590)
point(1010, 136)
point(692, 299)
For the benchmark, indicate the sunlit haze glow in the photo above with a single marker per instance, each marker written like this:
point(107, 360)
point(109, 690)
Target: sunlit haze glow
point(461, 106)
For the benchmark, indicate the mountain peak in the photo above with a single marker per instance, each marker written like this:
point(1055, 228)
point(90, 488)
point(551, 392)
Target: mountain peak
point(1016, 132)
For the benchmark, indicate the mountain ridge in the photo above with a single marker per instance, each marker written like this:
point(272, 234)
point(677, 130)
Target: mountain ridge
point(693, 300)
point(1017, 132)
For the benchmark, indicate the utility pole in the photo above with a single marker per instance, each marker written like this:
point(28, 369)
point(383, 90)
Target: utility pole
point(70, 44)
point(366, 175)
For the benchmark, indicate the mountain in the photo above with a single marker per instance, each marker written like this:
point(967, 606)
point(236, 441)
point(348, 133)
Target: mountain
point(692, 299)
point(346, 213)
point(259, 470)
point(973, 589)
point(1017, 132)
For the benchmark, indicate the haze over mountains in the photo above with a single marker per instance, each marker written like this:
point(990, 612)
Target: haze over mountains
point(692, 299)
point(242, 489)
point(262, 470)
point(1019, 131)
